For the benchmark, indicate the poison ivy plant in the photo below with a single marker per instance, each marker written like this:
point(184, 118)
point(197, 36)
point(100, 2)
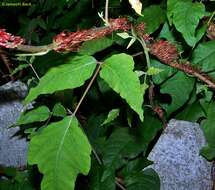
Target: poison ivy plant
point(179, 87)
point(72, 75)
point(41, 113)
point(147, 179)
point(58, 110)
point(65, 148)
point(98, 101)
point(113, 114)
point(208, 128)
point(186, 16)
point(204, 55)
point(94, 46)
point(126, 85)
point(153, 17)
point(121, 144)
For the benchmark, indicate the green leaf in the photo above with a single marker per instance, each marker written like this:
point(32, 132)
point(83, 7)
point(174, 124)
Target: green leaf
point(154, 71)
point(11, 185)
point(208, 125)
point(39, 114)
point(95, 176)
point(19, 68)
point(93, 46)
point(136, 165)
point(124, 35)
point(113, 114)
point(58, 110)
point(170, 7)
point(131, 42)
point(208, 152)
point(179, 88)
point(147, 179)
point(204, 56)
point(170, 35)
point(149, 129)
point(186, 16)
point(118, 72)
point(61, 151)
point(19, 181)
point(165, 74)
point(167, 33)
point(67, 76)
point(153, 17)
point(191, 113)
point(121, 144)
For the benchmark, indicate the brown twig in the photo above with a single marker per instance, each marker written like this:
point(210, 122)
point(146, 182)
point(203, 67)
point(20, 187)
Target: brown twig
point(87, 89)
point(155, 107)
point(119, 183)
point(167, 53)
point(189, 69)
point(35, 49)
point(6, 62)
point(81, 100)
point(34, 71)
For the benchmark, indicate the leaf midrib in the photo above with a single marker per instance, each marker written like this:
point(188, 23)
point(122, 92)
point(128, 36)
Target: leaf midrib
point(59, 150)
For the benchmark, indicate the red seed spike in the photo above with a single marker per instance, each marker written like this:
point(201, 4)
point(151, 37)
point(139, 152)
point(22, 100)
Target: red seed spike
point(165, 51)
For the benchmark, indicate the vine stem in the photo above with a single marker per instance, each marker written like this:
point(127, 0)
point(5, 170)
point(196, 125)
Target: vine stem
point(106, 10)
point(34, 71)
point(189, 69)
point(6, 62)
point(211, 17)
point(81, 100)
point(146, 51)
point(35, 49)
point(117, 181)
point(88, 87)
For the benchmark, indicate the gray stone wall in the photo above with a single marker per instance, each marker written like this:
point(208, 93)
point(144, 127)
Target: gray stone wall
point(177, 160)
point(13, 150)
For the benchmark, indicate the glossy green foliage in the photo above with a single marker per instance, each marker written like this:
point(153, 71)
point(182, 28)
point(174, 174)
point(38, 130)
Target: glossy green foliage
point(123, 105)
point(186, 16)
point(113, 114)
point(153, 17)
point(61, 151)
point(204, 55)
point(124, 80)
point(179, 88)
point(67, 76)
point(41, 113)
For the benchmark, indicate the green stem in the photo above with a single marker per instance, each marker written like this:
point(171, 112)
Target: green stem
point(106, 11)
point(146, 51)
point(88, 88)
point(81, 100)
point(34, 71)
point(211, 17)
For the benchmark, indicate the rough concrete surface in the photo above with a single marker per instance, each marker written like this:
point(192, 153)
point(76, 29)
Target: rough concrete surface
point(177, 160)
point(13, 150)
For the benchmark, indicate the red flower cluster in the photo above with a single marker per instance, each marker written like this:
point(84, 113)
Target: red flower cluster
point(165, 51)
point(71, 41)
point(120, 24)
point(140, 30)
point(7, 40)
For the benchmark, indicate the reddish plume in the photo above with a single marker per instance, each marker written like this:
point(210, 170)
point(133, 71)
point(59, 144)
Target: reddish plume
point(71, 41)
point(7, 40)
point(140, 31)
point(165, 51)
